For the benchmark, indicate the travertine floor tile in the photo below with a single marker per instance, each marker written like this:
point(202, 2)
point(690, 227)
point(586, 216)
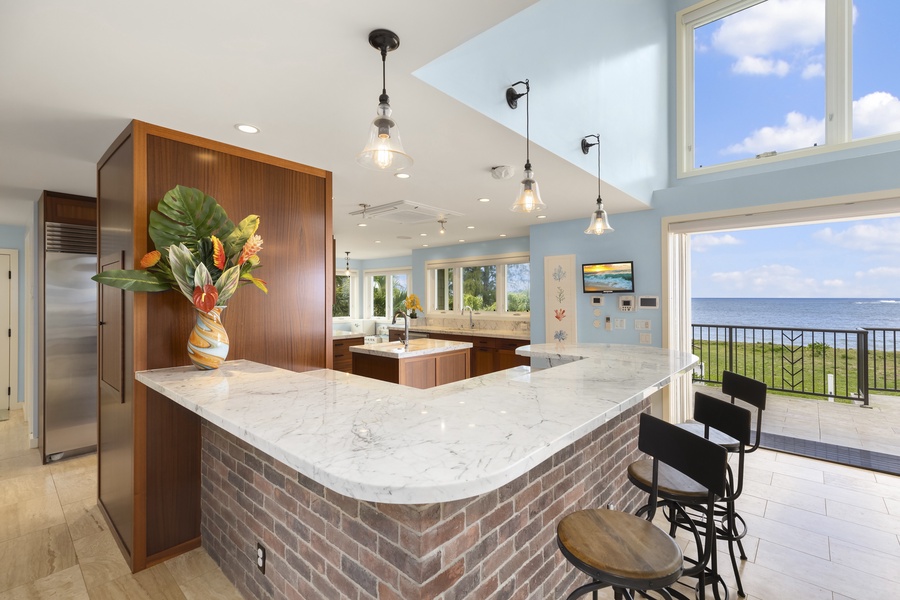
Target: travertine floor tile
point(35, 555)
point(62, 585)
point(211, 585)
point(29, 515)
point(24, 487)
point(100, 559)
point(74, 486)
point(84, 518)
point(191, 565)
point(155, 583)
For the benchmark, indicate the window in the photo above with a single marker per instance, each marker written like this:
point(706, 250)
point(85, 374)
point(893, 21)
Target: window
point(491, 284)
point(386, 292)
point(754, 82)
point(345, 296)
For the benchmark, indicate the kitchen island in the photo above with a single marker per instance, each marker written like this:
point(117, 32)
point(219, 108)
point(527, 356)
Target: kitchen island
point(360, 488)
point(422, 363)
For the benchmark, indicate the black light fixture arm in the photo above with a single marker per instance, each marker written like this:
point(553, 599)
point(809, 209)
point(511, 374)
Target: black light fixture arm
point(385, 41)
point(512, 99)
point(585, 148)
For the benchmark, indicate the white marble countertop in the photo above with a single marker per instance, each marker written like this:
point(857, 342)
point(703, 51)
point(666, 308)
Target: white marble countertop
point(417, 347)
point(496, 333)
point(383, 442)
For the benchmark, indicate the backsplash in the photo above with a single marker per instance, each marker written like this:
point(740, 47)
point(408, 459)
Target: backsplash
point(521, 326)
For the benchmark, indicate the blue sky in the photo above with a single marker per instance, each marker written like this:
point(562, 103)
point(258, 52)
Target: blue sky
point(760, 78)
point(848, 259)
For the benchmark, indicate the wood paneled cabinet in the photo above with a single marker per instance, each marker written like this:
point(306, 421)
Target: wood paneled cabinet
point(423, 372)
point(149, 447)
point(490, 354)
point(343, 361)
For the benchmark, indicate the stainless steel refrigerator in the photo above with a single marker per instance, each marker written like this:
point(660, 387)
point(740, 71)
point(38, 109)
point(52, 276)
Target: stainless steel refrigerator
point(68, 409)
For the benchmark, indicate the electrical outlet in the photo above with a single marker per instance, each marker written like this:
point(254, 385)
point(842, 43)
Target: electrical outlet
point(261, 558)
point(620, 323)
point(646, 338)
point(641, 324)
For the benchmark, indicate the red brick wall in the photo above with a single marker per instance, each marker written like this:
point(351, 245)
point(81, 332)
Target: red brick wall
point(321, 544)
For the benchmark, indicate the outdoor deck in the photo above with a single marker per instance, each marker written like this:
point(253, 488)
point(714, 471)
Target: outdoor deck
point(844, 433)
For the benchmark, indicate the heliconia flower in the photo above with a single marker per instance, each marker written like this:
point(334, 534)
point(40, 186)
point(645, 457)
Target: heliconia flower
point(253, 245)
point(150, 259)
point(205, 297)
point(560, 314)
point(218, 253)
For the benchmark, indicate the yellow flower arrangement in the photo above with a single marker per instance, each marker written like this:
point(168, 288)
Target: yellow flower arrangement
point(412, 305)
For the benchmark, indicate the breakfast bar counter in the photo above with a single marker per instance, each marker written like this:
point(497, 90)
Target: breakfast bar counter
point(358, 485)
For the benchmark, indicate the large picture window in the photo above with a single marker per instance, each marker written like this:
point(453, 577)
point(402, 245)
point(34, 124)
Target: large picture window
point(496, 285)
point(765, 79)
point(386, 293)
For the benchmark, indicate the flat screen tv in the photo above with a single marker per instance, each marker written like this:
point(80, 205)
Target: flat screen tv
point(608, 277)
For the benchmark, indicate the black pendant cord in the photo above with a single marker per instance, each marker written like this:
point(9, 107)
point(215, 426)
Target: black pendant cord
point(383, 99)
point(527, 127)
point(599, 199)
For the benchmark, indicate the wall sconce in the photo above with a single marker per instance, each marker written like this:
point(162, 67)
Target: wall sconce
point(529, 199)
point(442, 222)
point(599, 221)
point(384, 151)
point(347, 270)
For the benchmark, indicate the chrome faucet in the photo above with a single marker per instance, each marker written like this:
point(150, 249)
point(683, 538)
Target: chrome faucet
point(400, 313)
point(463, 311)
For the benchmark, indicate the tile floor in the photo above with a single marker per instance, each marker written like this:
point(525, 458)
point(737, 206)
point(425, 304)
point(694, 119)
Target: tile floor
point(817, 531)
point(55, 544)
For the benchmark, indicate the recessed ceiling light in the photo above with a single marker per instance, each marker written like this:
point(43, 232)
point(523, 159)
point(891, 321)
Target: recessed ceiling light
point(484, 199)
point(377, 241)
point(542, 216)
point(362, 224)
point(401, 175)
point(424, 245)
point(423, 235)
point(502, 235)
point(470, 227)
point(461, 241)
point(246, 128)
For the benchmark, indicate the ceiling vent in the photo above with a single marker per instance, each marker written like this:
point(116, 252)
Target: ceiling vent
point(405, 212)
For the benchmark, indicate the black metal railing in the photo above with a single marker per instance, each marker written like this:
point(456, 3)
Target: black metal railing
point(834, 363)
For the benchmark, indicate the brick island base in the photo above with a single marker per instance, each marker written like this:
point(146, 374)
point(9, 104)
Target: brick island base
point(320, 544)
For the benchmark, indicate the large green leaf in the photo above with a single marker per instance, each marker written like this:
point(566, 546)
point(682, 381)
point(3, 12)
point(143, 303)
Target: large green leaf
point(185, 216)
point(228, 283)
point(183, 266)
point(133, 281)
point(235, 240)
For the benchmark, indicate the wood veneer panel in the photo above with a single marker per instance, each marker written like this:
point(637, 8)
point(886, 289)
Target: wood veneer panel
point(115, 416)
point(69, 208)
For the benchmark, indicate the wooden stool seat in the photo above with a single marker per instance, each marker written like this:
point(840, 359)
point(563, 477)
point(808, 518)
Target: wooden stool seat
point(722, 439)
point(620, 549)
point(672, 483)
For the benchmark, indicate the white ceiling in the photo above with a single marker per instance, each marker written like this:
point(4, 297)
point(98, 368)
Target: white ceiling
point(75, 73)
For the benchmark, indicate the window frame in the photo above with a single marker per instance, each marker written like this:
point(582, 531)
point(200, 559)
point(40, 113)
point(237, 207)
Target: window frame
point(369, 300)
point(838, 86)
point(457, 264)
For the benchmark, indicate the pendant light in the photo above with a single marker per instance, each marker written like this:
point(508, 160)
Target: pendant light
point(442, 222)
point(599, 221)
point(347, 270)
point(529, 199)
point(384, 151)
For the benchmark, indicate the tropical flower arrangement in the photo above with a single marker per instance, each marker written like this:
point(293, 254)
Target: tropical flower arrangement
point(412, 305)
point(199, 252)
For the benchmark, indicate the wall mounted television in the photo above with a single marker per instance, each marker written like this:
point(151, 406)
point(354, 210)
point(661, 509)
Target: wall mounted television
point(608, 277)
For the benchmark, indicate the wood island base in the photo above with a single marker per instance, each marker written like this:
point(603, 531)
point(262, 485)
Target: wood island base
point(321, 544)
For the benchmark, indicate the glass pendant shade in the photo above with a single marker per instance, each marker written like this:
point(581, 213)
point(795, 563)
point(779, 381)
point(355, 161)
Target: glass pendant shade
point(529, 199)
point(599, 221)
point(384, 151)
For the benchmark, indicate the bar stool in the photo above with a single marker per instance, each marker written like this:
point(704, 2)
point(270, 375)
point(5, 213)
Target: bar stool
point(627, 552)
point(688, 504)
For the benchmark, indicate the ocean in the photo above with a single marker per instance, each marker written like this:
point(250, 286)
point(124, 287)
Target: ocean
point(800, 313)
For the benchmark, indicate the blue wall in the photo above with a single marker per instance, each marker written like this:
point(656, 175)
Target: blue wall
point(13, 238)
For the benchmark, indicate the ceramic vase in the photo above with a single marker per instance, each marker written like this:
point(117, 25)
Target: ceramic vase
point(208, 343)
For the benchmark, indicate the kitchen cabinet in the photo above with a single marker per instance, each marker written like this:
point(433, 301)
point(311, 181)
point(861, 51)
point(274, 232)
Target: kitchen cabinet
point(415, 368)
point(342, 359)
point(490, 354)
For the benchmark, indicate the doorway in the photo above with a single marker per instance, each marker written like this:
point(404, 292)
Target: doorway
point(9, 318)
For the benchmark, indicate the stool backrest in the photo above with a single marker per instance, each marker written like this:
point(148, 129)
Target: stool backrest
point(698, 458)
point(744, 388)
point(728, 418)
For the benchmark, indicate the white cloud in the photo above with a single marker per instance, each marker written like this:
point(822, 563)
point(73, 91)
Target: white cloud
point(813, 70)
point(877, 113)
point(773, 26)
point(879, 273)
point(834, 283)
point(755, 65)
point(702, 242)
point(798, 131)
point(772, 281)
point(865, 237)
